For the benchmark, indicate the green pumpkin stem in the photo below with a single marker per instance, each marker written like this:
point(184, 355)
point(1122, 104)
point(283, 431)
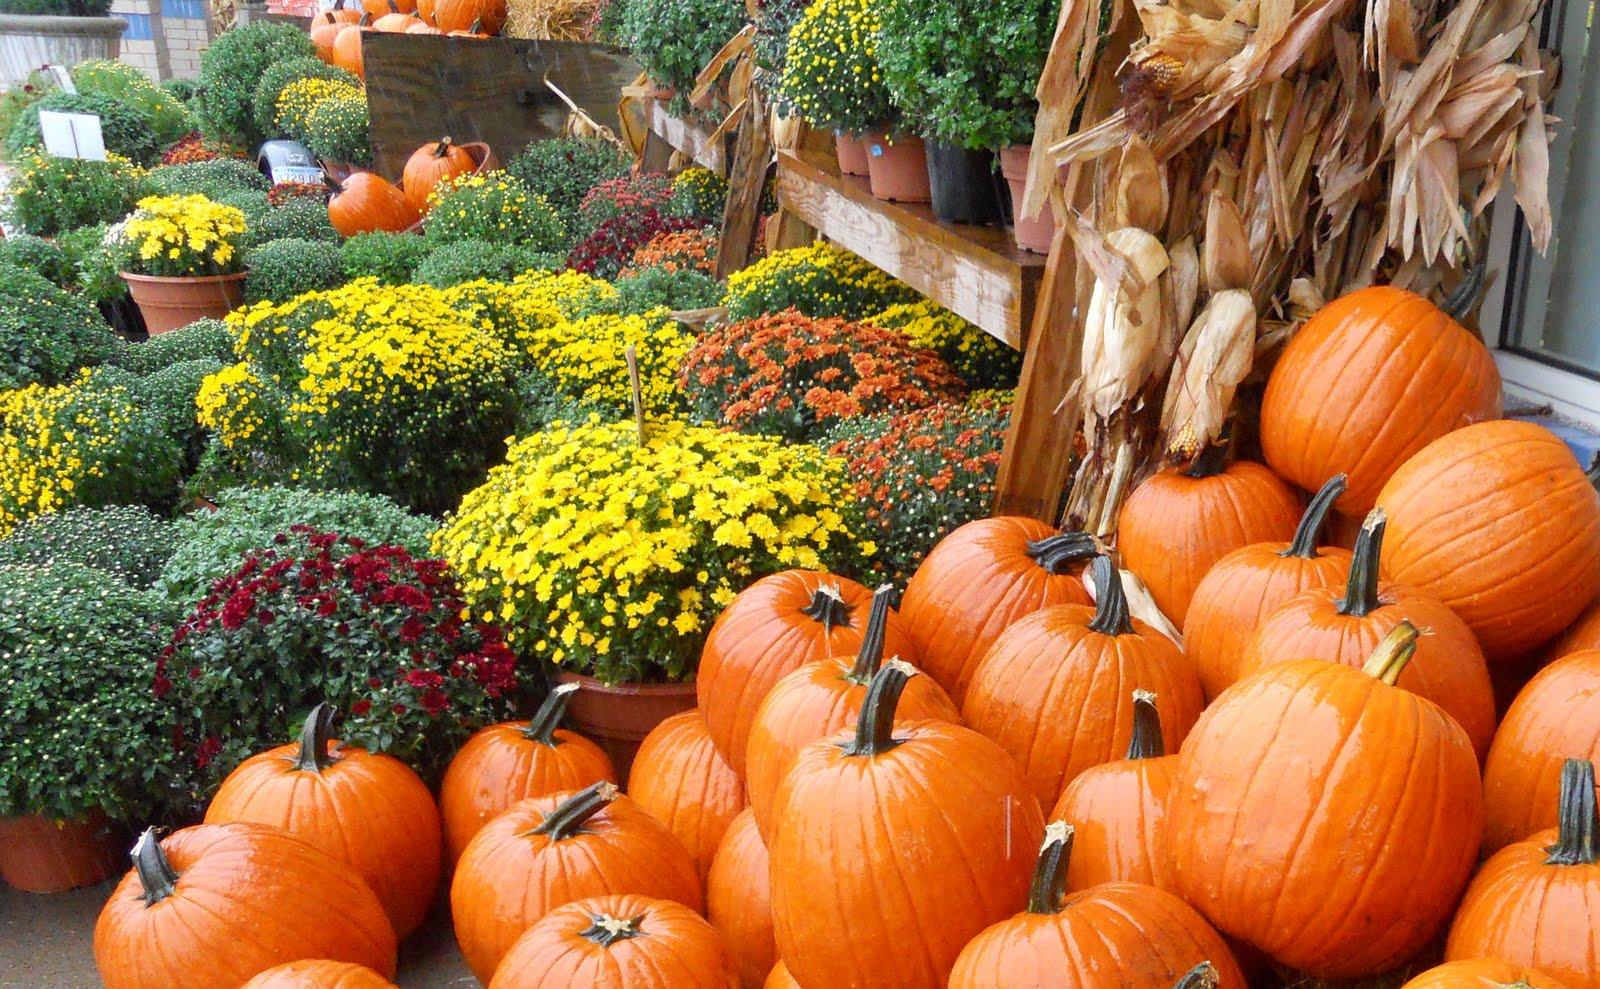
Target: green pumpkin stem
point(1110, 601)
point(1147, 742)
point(1059, 552)
point(1210, 462)
point(1361, 591)
point(1309, 532)
point(1202, 976)
point(542, 726)
point(1050, 872)
point(569, 818)
point(315, 739)
point(1465, 296)
point(1393, 654)
point(1578, 832)
point(875, 725)
point(827, 606)
point(606, 930)
point(870, 657)
point(157, 878)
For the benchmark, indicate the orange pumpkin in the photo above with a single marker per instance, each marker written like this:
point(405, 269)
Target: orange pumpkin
point(681, 780)
point(513, 761)
point(422, 27)
point(365, 202)
point(324, 28)
point(1262, 824)
point(1580, 635)
point(1554, 718)
point(1498, 522)
point(1483, 973)
point(1532, 902)
point(1343, 624)
point(431, 164)
point(478, 16)
point(217, 904)
point(618, 942)
point(1053, 689)
point(1368, 381)
point(378, 8)
point(981, 578)
point(546, 851)
point(1114, 934)
point(347, 46)
point(319, 974)
point(772, 628)
point(394, 21)
point(780, 978)
point(821, 698)
point(739, 900)
point(1119, 809)
point(365, 809)
point(898, 845)
point(1178, 524)
point(475, 30)
point(1236, 596)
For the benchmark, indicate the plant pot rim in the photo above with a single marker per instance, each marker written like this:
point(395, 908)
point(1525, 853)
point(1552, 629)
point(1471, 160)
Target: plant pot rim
point(624, 688)
point(61, 24)
point(236, 276)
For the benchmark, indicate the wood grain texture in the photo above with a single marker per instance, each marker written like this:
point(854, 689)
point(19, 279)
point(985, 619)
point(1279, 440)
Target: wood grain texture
point(693, 138)
point(752, 166)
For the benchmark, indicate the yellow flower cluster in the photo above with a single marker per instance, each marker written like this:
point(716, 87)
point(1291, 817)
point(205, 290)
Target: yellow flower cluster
point(528, 306)
point(606, 556)
point(831, 75)
point(980, 359)
point(300, 97)
point(234, 404)
point(818, 280)
point(700, 191)
point(585, 359)
point(184, 235)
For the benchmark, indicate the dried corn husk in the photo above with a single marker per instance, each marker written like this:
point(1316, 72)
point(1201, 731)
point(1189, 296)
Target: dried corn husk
point(1212, 362)
point(1141, 604)
point(1122, 328)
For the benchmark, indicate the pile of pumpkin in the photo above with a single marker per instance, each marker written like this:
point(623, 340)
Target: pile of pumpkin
point(337, 33)
point(1020, 778)
point(365, 202)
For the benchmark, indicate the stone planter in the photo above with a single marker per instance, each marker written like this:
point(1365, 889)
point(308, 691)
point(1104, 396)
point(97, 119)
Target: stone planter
point(28, 41)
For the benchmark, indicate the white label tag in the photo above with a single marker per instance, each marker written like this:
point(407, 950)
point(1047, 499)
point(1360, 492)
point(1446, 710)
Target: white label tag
point(63, 78)
point(296, 173)
point(72, 135)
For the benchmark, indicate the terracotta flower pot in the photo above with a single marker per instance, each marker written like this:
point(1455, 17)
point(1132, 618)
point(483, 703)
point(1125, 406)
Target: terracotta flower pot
point(617, 717)
point(852, 153)
point(898, 167)
point(38, 855)
point(170, 303)
point(1037, 233)
point(482, 155)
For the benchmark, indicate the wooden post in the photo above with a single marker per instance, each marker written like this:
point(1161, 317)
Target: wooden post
point(631, 355)
point(752, 158)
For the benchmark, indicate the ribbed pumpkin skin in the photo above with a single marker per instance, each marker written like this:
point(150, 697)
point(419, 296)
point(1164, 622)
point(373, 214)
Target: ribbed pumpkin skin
point(347, 56)
point(1272, 781)
point(509, 876)
point(675, 949)
point(1448, 668)
point(681, 780)
point(1499, 522)
point(500, 765)
point(1053, 693)
point(461, 15)
point(365, 202)
point(739, 901)
point(762, 636)
point(1119, 811)
point(1237, 595)
point(1555, 717)
point(1368, 381)
point(1482, 973)
point(319, 975)
point(1580, 635)
point(249, 897)
point(887, 865)
point(368, 810)
point(970, 587)
point(780, 979)
point(431, 164)
point(1125, 935)
point(812, 703)
point(1174, 528)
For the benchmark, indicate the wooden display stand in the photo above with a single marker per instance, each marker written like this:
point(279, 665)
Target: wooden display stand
point(691, 138)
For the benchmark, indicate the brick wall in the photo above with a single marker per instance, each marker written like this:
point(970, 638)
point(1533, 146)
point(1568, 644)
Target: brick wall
point(164, 37)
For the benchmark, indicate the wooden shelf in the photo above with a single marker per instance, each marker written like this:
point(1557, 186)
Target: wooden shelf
point(691, 137)
point(978, 272)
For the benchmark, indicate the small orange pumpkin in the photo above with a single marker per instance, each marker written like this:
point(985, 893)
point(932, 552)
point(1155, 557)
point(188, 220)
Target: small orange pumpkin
point(1483, 973)
point(431, 164)
point(319, 974)
point(365, 202)
point(324, 28)
point(681, 780)
point(423, 27)
point(347, 46)
point(395, 21)
point(1580, 635)
point(485, 16)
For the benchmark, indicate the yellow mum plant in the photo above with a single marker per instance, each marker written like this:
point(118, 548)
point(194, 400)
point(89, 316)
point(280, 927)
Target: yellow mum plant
point(179, 236)
point(818, 280)
point(585, 359)
point(980, 359)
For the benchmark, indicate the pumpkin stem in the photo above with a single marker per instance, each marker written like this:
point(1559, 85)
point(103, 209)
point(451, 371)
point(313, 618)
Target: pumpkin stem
point(334, 185)
point(1202, 976)
point(1576, 842)
point(1058, 553)
point(1393, 654)
point(1050, 872)
point(1110, 601)
point(157, 878)
point(569, 818)
point(606, 930)
point(870, 656)
point(875, 724)
point(1466, 294)
point(1210, 462)
point(1361, 590)
point(1593, 473)
point(315, 738)
point(442, 148)
point(1309, 531)
point(1146, 742)
point(366, 19)
point(542, 726)
point(827, 606)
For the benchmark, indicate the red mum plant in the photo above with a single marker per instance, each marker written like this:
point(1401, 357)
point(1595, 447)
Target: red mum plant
point(192, 147)
point(794, 376)
point(634, 193)
point(608, 250)
point(681, 250)
point(282, 192)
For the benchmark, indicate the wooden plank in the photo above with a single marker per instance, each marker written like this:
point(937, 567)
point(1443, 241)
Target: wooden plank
point(691, 137)
point(752, 164)
point(978, 272)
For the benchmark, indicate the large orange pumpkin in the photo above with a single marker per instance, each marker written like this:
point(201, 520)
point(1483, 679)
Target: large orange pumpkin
point(513, 761)
point(681, 780)
point(618, 942)
point(546, 851)
point(1236, 596)
point(1483, 973)
point(477, 16)
point(1555, 717)
point(772, 628)
point(1584, 633)
point(365, 202)
point(1324, 815)
point(325, 27)
point(1499, 522)
point(821, 698)
point(1053, 689)
point(368, 810)
point(1344, 623)
point(394, 20)
point(981, 578)
point(431, 164)
point(739, 900)
point(319, 974)
point(1178, 524)
point(1372, 378)
point(1127, 935)
point(1119, 809)
point(347, 53)
point(217, 904)
point(1533, 902)
point(897, 846)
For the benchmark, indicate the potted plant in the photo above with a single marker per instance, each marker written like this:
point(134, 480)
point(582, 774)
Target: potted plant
point(55, 32)
point(965, 71)
point(183, 260)
point(674, 39)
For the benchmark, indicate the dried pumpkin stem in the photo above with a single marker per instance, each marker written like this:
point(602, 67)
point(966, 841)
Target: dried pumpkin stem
point(157, 878)
point(1210, 462)
point(870, 657)
point(606, 930)
point(1361, 591)
point(1147, 742)
point(1110, 601)
point(1577, 829)
point(827, 606)
point(1050, 872)
point(1058, 553)
point(875, 725)
point(1389, 660)
point(569, 818)
point(1466, 294)
point(1202, 976)
point(315, 740)
point(542, 726)
point(442, 147)
point(1309, 532)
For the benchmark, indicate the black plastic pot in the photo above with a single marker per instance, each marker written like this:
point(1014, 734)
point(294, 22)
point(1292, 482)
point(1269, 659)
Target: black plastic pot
point(963, 183)
point(125, 318)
